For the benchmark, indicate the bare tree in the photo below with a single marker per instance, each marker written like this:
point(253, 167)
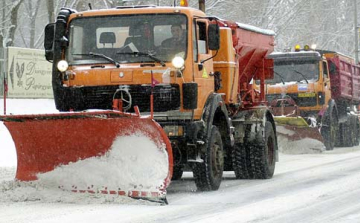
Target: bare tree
point(329, 24)
point(50, 6)
point(326, 23)
point(9, 26)
point(113, 3)
point(31, 10)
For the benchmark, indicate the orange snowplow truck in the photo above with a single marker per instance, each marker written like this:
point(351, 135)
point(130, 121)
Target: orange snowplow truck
point(314, 94)
point(197, 87)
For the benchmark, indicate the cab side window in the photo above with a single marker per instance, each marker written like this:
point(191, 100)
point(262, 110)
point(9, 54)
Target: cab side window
point(202, 44)
point(325, 69)
point(194, 41)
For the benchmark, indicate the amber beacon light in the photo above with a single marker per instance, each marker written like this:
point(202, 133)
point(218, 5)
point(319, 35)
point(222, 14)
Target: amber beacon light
point(184, 3)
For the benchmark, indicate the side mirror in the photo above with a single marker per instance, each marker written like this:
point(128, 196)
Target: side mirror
point(49, 40)
point(214, 36)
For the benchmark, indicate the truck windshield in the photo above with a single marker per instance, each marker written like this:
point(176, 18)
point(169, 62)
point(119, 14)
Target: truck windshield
point(162, 36)
point(295, 71)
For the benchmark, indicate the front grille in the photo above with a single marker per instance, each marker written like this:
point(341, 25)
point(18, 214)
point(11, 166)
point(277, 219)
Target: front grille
point(166, 97)
point(300, 101)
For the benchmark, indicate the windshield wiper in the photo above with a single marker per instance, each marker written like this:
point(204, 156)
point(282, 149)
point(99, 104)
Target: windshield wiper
point(144, 54)
point(99, 55)
point(281, 77)
point(302, 75)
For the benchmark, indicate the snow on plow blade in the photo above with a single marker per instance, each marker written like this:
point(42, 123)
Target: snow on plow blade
point(296, 128)
point(105, 152)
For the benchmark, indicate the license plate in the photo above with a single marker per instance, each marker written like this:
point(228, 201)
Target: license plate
point(306, 95)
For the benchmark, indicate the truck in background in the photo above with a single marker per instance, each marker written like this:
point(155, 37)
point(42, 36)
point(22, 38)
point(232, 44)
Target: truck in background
point(314, 94)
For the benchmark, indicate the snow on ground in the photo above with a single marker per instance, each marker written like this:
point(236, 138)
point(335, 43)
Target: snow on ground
point(303, 146)
point(16, 107)
point(307, 187)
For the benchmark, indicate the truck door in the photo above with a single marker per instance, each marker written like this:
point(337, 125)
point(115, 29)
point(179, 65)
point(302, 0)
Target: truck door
point(323, 99)
point(203, 72)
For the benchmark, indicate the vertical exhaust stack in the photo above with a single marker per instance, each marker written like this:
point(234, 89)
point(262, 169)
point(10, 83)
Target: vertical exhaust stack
point(202, 5)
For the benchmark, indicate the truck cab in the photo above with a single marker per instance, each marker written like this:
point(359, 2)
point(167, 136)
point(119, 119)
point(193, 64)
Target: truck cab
point(128, 53)
point(303, 79)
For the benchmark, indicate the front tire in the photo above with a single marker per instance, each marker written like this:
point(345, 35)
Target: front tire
point(208, 175)
point(328, 131)
point(350, 132)
point(177, 173)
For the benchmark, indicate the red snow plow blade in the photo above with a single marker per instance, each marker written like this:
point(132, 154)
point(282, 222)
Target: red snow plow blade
point(296, 128)
point(107, 152)
point(289, 122)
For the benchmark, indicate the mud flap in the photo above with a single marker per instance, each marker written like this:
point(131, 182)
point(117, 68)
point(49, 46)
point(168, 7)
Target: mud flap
point(105, 152)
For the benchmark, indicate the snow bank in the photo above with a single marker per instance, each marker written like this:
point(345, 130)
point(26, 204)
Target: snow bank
point(7, 148)
point(16, 191)
point(304, 146)
point(19, 106)
point(7, 173)
point(133, 163)
point(28, 106)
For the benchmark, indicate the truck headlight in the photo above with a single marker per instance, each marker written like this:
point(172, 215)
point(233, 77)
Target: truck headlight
point(174, 130)
point(178, 62)
point(62, 65)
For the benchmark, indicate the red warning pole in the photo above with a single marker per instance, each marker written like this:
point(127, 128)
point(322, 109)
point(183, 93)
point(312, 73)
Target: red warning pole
point(152, 96)
point(5, 93)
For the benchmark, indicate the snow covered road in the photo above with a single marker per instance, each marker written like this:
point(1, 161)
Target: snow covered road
point(317, 187)
point(306, 188)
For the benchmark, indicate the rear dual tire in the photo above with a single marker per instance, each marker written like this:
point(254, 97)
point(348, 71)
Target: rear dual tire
point(349, 132)
point(329, 131)
point(256, 160)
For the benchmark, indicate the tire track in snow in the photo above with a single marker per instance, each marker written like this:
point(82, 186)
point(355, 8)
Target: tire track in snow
point(315, 203)
point(335, 206)
point(308, 183)
point(259, 189)
point(309, 193)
